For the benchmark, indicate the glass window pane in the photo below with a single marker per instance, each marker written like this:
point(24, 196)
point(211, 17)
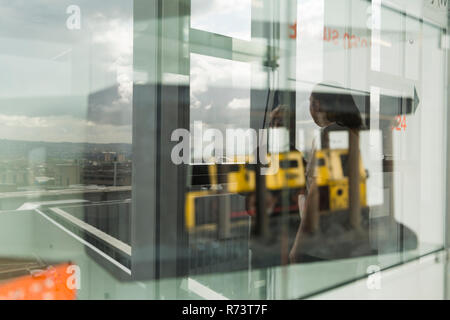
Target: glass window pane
point(256, 149)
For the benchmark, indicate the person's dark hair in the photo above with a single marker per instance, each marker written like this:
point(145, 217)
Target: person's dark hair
point(339, 106)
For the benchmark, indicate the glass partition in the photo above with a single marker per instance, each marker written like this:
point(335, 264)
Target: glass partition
point(191, 149)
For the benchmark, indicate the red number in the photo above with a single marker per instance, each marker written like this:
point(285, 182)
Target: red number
point(401, 123)
point(404, 123)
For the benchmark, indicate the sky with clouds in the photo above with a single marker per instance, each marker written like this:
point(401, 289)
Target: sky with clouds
point(62, 85)
point(76, 85)
point(52, 77)
point(231, 18)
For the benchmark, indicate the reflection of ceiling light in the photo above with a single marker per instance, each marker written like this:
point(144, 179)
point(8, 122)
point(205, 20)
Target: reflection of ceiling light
point(382, 43)
point(61, 54)
point(445, 41)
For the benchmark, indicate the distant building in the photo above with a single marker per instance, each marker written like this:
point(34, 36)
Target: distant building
point(109, 156)
point(44, 181)
point(107, 174)
point(7, 187)
point(113, 157)
point(120, 157)
point(67, 174)
point(16, 177)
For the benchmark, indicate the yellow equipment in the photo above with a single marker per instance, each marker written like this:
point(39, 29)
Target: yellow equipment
point(285, 171)
point(333, 175)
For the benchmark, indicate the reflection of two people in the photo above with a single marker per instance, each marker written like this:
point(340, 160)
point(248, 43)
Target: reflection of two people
point(330, 111)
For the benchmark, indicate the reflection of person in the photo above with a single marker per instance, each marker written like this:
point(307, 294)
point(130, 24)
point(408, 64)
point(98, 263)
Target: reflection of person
point(330, 111)
point(329, 108)
point(279, 117)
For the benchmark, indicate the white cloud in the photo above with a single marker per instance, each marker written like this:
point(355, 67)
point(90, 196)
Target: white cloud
point(239, 104)
point(23, 121)
point(117, 36)
point(208, 72)
point(61, 129)
point(228, 17)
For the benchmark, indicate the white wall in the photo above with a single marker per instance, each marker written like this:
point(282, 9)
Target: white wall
point(418, 280)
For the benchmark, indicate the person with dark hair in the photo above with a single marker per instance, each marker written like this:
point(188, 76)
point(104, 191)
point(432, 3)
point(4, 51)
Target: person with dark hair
point(331, 110)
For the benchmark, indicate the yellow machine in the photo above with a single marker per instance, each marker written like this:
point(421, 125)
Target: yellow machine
point(285, 172)
point(337, 182)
